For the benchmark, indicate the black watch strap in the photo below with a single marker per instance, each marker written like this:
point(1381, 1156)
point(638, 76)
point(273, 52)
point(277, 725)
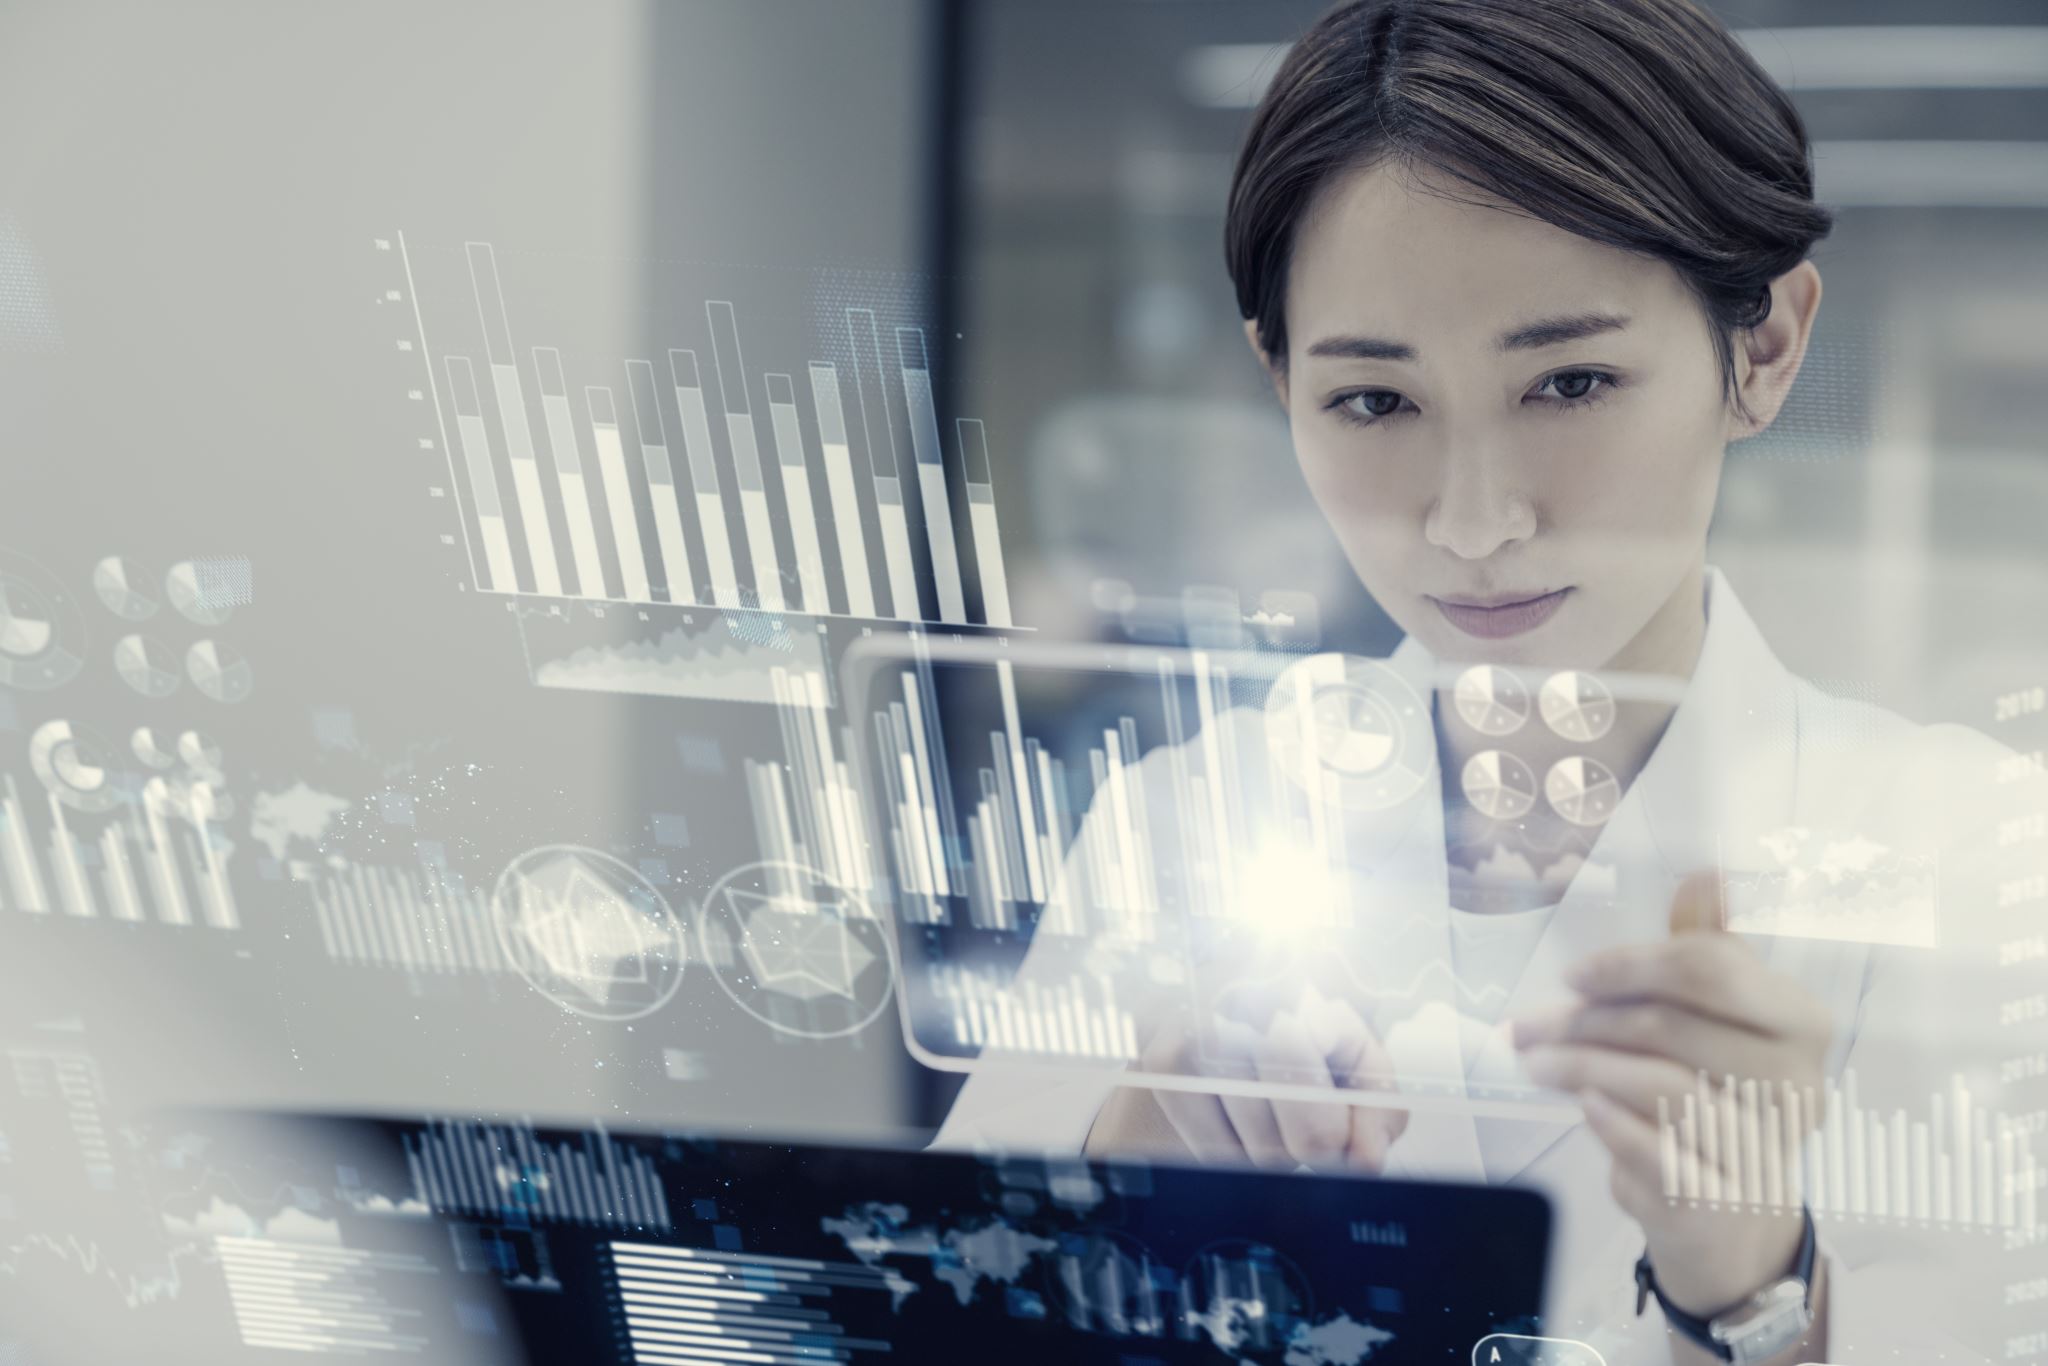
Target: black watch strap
point(1697, 1329)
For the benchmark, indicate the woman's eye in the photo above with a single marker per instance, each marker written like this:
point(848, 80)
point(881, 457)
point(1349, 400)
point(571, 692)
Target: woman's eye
point(1578, 386)
point(1565, 389)
point(1366, 405)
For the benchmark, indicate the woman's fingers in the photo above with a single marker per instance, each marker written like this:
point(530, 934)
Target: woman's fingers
point(1636, 1081)
point(1315, 1132)
point(1318, 1043)
point(1199, 1119)
point(1703, 969)
point(1361, 1063)
point(1234, 1048)
point(1660, 1029)
point(1196, 1116)
point(1637, 1176)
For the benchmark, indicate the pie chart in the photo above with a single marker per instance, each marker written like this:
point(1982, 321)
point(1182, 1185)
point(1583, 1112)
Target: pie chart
point(143, 744)
point(1353, 734)
point(219, 672)
point(1491, 701)
point(146, 666)
point(41, 632)
point(114, 579)
point(73, 766)
point(190, 596)
point(1576, 705)
point(1349, 730)
point(201, 752)
point(23, 629)
point(1581, 790)
point(1499, 785)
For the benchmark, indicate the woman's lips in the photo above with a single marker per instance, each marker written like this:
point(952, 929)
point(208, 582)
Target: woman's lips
point(1498, 621)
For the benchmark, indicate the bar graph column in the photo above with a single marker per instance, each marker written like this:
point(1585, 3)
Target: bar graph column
point(931, 472)
point(483, 480)
point(24, 875)
point(618, 491)
point(725, 579)
point(981, 512)
point(746, 453)
point(533, 507)
point(554, 406)
point(853, 545)
point(796, 486)
point(661, 481)
point(903, 601)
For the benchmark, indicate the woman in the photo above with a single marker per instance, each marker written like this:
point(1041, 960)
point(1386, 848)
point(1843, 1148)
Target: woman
point(1518, 271)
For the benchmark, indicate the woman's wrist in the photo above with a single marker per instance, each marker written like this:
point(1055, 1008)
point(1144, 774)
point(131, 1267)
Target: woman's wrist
point(1708, 1279)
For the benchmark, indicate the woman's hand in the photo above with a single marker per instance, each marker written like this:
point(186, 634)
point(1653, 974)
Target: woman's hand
point(1318, 1042)
point(1652, 1018)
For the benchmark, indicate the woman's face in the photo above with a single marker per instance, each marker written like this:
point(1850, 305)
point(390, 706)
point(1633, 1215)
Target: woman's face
point(1516, 433)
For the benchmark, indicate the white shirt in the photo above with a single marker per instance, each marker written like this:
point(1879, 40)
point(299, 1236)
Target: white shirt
point(1489, 949)
point(1751, 753)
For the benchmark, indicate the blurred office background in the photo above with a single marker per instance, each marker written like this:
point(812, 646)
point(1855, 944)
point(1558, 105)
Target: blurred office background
point(1896, 511)
point(194, 365)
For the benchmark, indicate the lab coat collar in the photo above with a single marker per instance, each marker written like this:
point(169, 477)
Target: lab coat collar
point(1727, 767)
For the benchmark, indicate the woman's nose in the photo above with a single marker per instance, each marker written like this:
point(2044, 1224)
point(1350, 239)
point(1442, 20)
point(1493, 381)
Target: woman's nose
point(1477, 510)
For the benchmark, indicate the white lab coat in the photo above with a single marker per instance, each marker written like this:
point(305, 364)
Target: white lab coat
point(1751, 749)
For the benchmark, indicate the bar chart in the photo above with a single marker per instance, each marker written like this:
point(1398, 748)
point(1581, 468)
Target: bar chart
point(713, 487)
point(489, 1169)
point(1014, 847)
point(1751, 1144)
point(807, 809)
point(417, 920)
point(1075, 1018)
point(162, 857)
point(687, 1304)
point(318, 1297)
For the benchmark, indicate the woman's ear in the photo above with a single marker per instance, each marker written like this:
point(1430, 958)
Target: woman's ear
point(1277, 374)
point(1767, 356)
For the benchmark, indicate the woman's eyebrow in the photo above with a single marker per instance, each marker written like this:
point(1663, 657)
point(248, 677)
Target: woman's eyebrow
point(1568, 327)
point(1528, 337)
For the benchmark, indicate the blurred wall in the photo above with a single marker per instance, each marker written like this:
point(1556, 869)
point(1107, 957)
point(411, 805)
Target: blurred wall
point(197, 358)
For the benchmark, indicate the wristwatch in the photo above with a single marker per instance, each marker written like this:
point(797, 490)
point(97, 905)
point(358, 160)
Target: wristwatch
point(1759, 1327)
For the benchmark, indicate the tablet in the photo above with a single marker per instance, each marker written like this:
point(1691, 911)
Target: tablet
point(1198, 870)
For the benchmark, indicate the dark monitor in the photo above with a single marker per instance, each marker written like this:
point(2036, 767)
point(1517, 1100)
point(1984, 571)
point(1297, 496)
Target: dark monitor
point(467, 1241)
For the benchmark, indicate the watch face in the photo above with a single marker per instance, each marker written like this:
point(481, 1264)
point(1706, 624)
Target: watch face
point(1772, 1320)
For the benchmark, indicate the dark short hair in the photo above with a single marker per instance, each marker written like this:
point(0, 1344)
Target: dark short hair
point(1641, 124)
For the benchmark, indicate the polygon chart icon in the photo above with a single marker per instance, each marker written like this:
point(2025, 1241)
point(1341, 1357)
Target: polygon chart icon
point(1578, 706)
point(1490, 700)
point(796, 950)
point(589, 932)
point(1499, 785)
point(1583, 791)
point(1352, 729)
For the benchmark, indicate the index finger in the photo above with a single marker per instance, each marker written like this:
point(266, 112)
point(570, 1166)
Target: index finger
point(1699, 904)
point(1710, 973)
